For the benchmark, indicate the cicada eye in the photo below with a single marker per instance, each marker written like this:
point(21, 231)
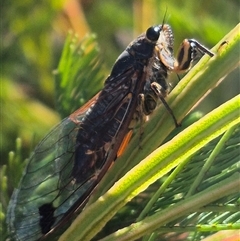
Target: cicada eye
point(153, 33)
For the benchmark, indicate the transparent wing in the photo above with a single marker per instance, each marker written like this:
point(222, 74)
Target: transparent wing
point(47, 183)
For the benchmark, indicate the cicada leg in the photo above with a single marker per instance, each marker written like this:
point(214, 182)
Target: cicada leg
point(161, 93)
point(187, 53)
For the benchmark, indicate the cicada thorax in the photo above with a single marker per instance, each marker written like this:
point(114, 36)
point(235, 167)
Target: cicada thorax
point(155, 72)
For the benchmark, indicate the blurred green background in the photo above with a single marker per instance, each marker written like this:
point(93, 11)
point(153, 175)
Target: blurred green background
point(33, 35)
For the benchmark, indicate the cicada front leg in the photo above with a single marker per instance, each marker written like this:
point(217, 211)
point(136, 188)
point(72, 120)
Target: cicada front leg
point(187, 53)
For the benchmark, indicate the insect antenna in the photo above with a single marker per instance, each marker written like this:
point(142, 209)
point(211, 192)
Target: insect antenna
point(164, 17)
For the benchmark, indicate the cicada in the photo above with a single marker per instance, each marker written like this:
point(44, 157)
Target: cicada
point(67, 165)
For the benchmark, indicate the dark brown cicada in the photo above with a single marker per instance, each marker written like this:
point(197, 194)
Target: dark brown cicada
point(70, 161)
